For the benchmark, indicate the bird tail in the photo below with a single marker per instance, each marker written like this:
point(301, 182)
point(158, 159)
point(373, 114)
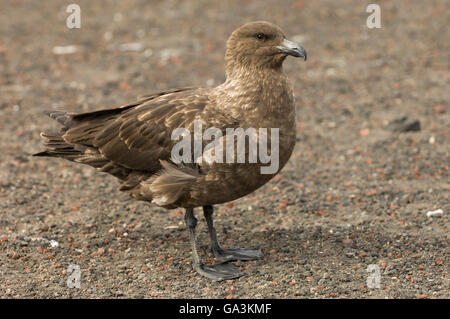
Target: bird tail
point(57, 147)
point(54, 142)
point(79, 147)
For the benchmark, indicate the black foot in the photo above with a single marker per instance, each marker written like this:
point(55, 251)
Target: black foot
point(219, 272)
point(229, 254)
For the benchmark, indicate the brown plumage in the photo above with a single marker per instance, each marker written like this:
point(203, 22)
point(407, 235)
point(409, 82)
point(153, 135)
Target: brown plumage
point(133, 142)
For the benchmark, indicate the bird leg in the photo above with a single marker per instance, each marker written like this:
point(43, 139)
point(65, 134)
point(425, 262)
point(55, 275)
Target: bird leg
point(220, 271)
point(227, 254)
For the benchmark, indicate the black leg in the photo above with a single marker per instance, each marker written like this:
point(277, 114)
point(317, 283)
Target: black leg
point(220, 271)
point(227, 254)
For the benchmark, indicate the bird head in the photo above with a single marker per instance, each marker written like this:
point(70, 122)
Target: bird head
point(260, 44)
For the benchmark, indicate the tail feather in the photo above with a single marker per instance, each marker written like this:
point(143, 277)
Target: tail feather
point(57, 147)
point(78, 147)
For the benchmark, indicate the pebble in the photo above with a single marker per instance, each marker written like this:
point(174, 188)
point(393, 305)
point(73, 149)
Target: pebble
point(435, 213)
point(61, 50)
point(404, 124)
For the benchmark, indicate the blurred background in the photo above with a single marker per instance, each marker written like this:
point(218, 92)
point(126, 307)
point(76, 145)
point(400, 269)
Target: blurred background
point(371, 160)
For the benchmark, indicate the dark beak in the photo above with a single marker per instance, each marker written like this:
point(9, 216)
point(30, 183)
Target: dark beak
point(292, 48)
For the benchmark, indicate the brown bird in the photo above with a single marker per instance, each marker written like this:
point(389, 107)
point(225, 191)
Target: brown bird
point(135, 142)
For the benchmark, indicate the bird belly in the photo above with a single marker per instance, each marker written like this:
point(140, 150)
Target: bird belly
point(224, 182)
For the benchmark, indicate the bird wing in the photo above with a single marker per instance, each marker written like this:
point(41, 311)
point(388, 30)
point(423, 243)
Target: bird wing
point(139, 136)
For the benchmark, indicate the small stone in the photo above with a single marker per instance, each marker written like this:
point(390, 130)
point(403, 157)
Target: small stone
point(404, 124)
point(98, 253)
point(364, 132)
point(435, 213)
point(439, 109)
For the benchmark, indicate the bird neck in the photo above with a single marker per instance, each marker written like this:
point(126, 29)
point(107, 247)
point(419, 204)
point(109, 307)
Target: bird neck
point(254, 79)
point(253, 73)
point(262, 92)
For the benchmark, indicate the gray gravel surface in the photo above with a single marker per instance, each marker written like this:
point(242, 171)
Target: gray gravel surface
point(355, 192)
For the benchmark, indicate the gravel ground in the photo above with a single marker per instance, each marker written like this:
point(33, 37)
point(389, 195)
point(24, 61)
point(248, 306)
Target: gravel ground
point(356, 191)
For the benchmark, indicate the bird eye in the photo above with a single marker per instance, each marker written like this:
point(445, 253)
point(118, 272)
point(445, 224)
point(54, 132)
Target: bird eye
point(260, 36)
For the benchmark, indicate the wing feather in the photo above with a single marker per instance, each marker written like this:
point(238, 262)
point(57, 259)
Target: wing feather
point(140, 137)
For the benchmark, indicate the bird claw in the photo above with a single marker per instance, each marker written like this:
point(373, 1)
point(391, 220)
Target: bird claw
point(218, 272)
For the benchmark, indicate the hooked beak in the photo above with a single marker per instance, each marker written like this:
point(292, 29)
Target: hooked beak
point(292, 48)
